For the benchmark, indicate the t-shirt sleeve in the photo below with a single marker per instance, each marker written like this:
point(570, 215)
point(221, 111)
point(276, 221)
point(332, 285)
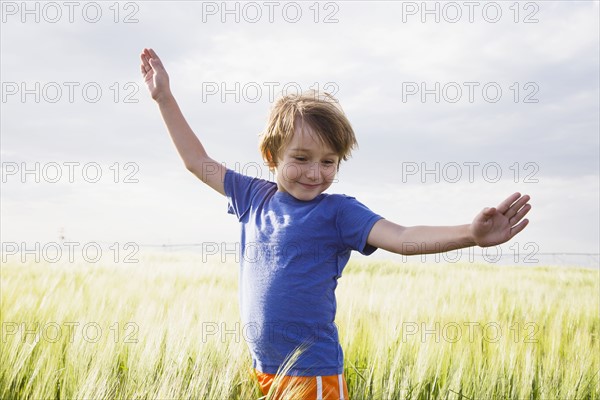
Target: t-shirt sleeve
point(240, 190)
point(354, 222)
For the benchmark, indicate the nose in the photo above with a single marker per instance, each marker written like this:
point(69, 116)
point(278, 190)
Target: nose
point(312, 172)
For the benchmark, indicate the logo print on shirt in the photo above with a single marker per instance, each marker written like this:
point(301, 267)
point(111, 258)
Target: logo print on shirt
point(274, 223)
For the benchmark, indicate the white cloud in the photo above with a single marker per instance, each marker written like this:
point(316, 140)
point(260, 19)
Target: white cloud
point(368, 54)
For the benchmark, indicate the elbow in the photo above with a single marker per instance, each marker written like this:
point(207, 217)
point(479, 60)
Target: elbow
point(190, 167)
point(193, 164)
point(409, 249)
point(404, 253)
point(194, 170)
point(200, 171)
point(200, 165)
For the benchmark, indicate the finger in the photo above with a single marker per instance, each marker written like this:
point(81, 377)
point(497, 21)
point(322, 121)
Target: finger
point(518, 228)
point(145, 64)
point(505, 205)
point(154, 64)
point(153, 54)
point(155, 60)
point(518, 205)
point(520, 214)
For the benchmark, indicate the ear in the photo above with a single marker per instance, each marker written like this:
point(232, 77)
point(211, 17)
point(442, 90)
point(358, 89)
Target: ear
point(270, 161)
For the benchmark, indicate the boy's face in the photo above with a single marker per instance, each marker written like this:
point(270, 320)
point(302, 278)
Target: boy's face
point(306, 167)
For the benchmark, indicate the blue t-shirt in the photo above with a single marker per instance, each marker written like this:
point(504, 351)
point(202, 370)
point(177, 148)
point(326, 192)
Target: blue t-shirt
point(293, 253)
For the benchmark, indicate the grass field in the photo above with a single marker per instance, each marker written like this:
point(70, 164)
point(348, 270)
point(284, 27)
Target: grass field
point(168, 328)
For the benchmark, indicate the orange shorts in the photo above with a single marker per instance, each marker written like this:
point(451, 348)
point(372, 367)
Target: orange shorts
point(331, 387)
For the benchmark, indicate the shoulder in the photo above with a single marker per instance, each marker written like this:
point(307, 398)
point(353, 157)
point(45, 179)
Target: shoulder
point(340, 200)
point(348, 208)
point(243, 191)
point(234, 179)
point(354, 222)
point(343, 206)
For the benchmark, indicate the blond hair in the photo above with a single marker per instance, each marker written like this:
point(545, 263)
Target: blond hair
point(320, 111)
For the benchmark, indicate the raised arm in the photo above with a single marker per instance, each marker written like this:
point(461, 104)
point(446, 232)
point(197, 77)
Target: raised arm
point(188, 145)
point(491, 227)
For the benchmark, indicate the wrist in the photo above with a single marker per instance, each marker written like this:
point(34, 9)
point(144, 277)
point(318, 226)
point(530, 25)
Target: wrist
point(469, 236)
point(164, 98)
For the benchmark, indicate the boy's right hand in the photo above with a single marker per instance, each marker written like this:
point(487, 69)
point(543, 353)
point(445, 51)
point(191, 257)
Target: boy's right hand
point(155, 75)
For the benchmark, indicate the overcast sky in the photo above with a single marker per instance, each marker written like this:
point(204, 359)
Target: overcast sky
point(452, 115)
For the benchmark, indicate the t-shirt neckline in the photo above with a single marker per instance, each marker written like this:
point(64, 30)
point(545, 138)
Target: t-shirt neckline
point(285, 197)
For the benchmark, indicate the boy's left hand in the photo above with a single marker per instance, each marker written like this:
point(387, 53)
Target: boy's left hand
point(494, 226)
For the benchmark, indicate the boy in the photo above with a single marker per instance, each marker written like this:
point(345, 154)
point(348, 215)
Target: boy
point(296, 240)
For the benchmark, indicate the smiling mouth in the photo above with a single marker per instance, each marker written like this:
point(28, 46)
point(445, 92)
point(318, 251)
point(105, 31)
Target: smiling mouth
point(310, 186)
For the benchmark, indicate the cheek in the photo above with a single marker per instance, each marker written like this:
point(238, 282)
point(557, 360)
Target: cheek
point(290, 171)
point(329, 173)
